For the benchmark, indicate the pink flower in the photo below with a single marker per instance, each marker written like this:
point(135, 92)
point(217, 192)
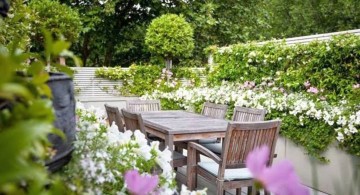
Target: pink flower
point(356, 86)
point(279, 179)
point(313, 90)
point(138, 184)
point(307, 84)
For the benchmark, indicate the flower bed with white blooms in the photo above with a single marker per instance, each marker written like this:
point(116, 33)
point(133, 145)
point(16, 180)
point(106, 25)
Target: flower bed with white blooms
point(308, 121)
point(102, 155)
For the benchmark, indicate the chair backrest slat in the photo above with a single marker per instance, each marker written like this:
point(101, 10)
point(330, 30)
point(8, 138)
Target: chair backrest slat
point(114, 115)
point(133, 121)
point(248, 114)
point(214, 110)
point(243, 137)
point(143, 105)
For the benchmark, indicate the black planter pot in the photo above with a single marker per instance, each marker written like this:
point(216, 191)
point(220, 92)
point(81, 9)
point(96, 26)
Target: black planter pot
point(64, 106)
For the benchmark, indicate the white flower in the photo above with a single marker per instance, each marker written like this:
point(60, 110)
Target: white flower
point(140, 138)
point(340, 137)
point(166, 167)
point(80, 105)
point(165, 155)
point(155, 145)
point(144, 151)
point(125, 136)
point(185, 191)
point(113, 134)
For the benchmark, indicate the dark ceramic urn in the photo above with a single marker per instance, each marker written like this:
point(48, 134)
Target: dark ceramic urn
point(64, 105)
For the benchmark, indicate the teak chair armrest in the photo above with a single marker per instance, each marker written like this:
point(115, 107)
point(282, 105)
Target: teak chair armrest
point(204, 151)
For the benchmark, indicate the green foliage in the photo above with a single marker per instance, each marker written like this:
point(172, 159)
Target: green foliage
point(16, 28)
point(170, 36)
point(291, 18)
point(190, 74)
point(352, 144)
point(26, 119)
point(332, 67)
point(313, 135)
point(60, 19)
point(116, 73)
point(139, 80)
point(114, 31)
point(167, 104)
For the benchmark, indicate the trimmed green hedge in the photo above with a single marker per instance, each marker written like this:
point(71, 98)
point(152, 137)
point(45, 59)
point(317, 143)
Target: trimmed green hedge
point(139, 80)
point(332, 67)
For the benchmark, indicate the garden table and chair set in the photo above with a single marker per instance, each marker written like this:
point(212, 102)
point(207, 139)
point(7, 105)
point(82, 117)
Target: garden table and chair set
point(225, 143)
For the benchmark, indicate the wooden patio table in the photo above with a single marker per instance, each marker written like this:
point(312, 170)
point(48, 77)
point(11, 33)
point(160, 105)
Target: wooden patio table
point(179, 125)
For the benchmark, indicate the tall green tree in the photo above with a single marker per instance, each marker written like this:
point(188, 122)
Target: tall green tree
point(114, 31)
point(290, 18)
point(59, 19)
point(16, 28)
point(224, 22)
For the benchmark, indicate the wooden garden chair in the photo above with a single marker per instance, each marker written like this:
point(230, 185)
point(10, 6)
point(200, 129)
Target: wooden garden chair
point(143, 105)
point(248, 114)
point(240, 114)
point(228, 171)
point(134, 121)
point(114, 115)
point(214, 111)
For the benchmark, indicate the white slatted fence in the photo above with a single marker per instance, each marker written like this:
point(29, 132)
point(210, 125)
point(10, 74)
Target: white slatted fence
point(87, 85)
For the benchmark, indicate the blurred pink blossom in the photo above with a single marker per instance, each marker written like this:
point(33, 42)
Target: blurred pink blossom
point(356, 86)
point(138, 184)
point(307, 84)
point(279, 179)
point(313, 90)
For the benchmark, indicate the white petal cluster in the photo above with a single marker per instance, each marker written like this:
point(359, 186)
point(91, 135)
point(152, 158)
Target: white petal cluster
point(296, 104)
point(102, 153)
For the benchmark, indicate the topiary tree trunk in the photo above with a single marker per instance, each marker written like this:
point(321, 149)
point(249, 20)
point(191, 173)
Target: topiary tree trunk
point(168, 63)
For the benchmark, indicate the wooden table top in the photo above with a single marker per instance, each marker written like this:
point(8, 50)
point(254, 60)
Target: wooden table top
point(182, 122)
point(170, 114)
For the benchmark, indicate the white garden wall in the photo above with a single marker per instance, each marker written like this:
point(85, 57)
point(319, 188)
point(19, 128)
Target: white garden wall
point(341, 176)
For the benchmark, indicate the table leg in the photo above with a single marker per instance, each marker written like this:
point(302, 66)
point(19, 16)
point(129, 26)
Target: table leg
point(169, 141)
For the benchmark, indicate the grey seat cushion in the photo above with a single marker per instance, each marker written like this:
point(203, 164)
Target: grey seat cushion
point(208, 141)
point(177, 156)
point(214, 147)
point(230, 174)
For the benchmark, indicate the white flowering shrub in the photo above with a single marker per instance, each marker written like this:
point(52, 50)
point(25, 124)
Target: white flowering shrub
point(103, 154)
point(313, 123)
